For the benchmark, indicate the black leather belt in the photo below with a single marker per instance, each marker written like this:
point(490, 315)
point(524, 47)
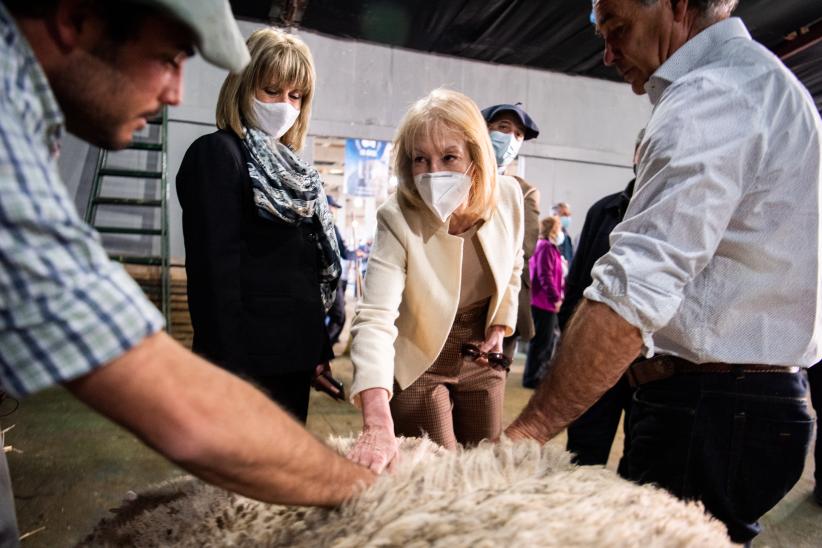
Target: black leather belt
point(663, 367)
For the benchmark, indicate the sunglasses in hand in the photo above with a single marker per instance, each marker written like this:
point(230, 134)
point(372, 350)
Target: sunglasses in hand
point(497, 360)
point(325, 382)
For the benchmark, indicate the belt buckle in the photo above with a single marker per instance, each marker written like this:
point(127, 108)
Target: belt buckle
point(654, 369)
point(662, 368)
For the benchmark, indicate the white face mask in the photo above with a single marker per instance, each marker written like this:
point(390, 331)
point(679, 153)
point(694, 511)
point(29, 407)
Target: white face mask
point(506, 147)
point(560, 238)
point(274, 118)
point(443, 191)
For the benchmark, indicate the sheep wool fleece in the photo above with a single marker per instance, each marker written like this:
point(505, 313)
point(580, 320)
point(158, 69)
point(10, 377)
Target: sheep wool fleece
point(506, 494)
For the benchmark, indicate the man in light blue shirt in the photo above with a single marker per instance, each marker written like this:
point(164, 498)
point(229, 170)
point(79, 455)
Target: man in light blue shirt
point(713, 274)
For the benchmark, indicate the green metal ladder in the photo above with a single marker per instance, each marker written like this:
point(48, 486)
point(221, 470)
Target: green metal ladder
point(97, 198)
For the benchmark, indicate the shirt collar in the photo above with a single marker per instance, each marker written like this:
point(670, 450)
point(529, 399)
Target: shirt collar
point(692, 54)
point(13, 44)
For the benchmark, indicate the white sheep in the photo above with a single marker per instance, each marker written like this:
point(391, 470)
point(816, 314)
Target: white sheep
point(506, 494)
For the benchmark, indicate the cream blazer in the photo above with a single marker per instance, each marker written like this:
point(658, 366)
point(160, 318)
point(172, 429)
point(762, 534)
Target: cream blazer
point(412, 288)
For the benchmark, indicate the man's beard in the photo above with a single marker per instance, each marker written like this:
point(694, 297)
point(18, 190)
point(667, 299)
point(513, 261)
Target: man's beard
point(88, 92)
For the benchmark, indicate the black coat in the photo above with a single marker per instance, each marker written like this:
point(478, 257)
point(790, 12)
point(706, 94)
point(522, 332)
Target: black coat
point(253, 283)
point(594, 242)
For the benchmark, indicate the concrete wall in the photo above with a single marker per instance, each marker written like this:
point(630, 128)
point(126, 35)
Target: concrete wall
point(587, 126)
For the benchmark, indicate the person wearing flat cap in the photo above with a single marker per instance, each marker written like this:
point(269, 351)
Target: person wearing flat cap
point(508, 126)
point(70, 316)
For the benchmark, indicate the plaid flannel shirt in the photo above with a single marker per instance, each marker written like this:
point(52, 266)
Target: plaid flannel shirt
point(65, 308)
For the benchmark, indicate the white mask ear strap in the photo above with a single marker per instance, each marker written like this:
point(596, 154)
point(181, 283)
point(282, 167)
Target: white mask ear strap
point(469, 172)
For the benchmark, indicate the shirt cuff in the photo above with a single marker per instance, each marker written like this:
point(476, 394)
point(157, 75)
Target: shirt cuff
point(622, 306)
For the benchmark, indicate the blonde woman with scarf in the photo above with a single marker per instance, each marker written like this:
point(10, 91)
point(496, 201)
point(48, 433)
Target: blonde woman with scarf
point(261, 253)
point(441, 288)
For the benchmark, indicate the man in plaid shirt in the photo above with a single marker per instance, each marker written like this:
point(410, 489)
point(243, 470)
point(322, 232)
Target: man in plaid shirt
point(70, 316)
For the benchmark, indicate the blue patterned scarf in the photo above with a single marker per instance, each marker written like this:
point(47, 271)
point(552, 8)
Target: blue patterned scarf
point(288, 189)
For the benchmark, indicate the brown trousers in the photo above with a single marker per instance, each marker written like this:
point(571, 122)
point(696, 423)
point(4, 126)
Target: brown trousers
point(455, 400)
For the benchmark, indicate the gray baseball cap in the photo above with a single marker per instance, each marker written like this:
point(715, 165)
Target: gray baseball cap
point(218, 38)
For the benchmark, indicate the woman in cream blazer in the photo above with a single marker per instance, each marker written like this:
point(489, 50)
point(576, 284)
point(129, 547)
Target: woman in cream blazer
point(444, 270)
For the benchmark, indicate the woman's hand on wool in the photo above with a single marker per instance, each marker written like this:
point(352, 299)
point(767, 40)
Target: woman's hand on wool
point(376, 448)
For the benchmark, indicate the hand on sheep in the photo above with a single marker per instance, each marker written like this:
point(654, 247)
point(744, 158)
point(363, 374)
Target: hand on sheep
point(376, 448)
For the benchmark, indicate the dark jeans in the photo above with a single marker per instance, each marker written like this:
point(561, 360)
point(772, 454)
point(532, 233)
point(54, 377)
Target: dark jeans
point(336, 316)
point(591, 435)
point(735, 441)
point(815, 381)
point(540, 347)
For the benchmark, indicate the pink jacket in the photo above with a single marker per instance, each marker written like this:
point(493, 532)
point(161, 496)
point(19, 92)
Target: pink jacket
point(547, 282)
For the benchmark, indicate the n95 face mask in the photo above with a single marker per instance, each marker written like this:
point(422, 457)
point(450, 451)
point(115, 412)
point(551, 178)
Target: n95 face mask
point(275, 119)
point(506, 147)
point(443, 191)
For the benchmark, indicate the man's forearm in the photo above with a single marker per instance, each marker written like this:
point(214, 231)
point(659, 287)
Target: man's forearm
point(217, 426)
point(595, 351)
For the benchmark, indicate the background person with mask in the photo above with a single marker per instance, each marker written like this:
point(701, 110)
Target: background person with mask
point(548, 283)
point(441, 290)
point(336, 314)
point(508, 127)
point(564, 242)
point(261, 251)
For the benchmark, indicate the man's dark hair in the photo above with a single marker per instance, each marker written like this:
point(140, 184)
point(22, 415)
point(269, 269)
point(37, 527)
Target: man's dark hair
point(123, 20)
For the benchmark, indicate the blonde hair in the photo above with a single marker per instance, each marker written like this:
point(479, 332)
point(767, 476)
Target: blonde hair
point(441, 111)
point(275, 57)
point(547, 226)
